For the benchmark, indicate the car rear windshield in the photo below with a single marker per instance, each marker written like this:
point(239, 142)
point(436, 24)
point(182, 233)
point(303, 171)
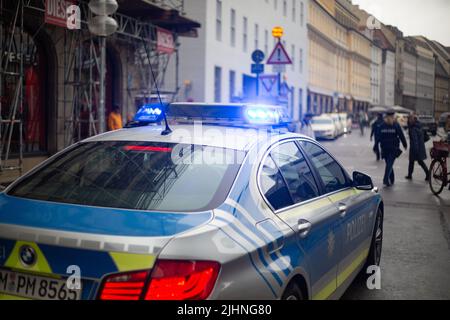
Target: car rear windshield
point(139, 176)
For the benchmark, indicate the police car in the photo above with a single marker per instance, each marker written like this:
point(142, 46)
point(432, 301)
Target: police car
point(221, 203)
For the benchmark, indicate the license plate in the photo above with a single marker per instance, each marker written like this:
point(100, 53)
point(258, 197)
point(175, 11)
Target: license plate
point(36, 287)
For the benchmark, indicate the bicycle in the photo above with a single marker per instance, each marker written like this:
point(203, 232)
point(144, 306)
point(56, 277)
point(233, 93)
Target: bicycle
point(439, 178)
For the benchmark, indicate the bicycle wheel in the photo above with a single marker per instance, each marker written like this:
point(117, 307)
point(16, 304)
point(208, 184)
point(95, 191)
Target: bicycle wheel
point(438, 177)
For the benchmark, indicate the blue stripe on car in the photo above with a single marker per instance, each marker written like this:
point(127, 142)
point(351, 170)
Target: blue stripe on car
point(95, 220)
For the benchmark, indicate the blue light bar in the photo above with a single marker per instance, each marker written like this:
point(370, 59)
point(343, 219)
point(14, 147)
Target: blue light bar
point(232, 114)
point(151, 113)
point(262, 115)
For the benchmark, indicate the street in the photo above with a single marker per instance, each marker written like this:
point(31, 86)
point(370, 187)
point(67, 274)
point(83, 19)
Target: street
point(416, 247)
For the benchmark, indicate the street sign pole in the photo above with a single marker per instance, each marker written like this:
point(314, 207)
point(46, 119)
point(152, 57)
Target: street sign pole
point(257, 67)
point(279, 57)
point(279, 75)
point(257, 85)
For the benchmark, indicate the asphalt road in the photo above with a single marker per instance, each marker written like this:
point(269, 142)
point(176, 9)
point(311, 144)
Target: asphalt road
point(416, 247)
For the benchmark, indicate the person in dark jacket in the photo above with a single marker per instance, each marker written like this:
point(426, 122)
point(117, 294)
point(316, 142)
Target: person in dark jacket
point(417, 150)
point(374, 133)
point(390, 134)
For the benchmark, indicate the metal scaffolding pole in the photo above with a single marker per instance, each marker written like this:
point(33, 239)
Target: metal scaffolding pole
point(101, 109)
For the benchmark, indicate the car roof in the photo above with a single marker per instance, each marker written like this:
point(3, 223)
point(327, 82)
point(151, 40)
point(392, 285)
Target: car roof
point(228, 137)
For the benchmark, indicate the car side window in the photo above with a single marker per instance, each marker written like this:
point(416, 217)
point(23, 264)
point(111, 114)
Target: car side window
point(329, 170)
point(273, 186)
point(295, 171)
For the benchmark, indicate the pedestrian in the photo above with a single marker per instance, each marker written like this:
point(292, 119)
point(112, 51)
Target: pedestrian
point(362, 121)
point(390, 134)
point(306, 128)
point(373, 135)
point(115, 119)
point(417, 150)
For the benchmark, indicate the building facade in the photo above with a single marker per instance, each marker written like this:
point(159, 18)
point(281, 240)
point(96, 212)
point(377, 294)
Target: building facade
point(60, 74)
point(340, 59)
point(415, 73)
point(425, 80)
point(442, 75)
point(375, 74)
point(387, 97)
point(216, 66)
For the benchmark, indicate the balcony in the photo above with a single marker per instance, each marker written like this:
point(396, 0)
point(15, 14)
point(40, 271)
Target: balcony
point(168, 14)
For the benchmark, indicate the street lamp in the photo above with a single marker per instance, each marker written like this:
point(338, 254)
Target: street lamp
point(102, 25)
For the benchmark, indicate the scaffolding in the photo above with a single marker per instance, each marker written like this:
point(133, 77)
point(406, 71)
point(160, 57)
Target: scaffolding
point(78, 97)
point(11, 66)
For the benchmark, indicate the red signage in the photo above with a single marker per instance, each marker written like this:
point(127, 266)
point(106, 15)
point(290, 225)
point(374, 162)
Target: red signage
point(165, 41)
point(56, 12)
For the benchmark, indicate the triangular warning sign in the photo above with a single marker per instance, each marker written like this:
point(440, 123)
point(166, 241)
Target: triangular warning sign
point(279, 55)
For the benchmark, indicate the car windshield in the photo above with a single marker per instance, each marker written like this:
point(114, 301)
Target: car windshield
point(322, 121)
point(139, 176)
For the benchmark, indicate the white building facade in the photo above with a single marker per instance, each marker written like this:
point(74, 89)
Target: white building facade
point(387, 84)
point(425, 81)
point(375, 74)
point(216, 66)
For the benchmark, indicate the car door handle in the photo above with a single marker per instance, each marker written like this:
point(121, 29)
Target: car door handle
point(303, 228)
point(342, 210)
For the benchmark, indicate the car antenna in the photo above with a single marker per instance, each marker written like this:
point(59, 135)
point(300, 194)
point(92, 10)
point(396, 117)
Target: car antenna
point(167, 130)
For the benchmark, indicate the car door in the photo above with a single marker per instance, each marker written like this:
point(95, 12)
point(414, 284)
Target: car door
point(354, 207)
point(314, 221)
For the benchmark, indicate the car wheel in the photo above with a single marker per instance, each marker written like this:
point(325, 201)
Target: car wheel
point(376, 246)
point(293, 293)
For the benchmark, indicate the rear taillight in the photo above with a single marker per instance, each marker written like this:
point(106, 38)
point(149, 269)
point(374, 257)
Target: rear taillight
point(169, 280)
point(127, 286)
point(182, 280)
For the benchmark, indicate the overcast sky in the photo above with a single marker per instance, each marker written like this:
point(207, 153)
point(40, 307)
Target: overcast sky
point(430, 18)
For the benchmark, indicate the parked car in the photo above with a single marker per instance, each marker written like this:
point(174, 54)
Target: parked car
point(428, 123)
point(444, 125)
point(346, 122)
point(324, 127)
point(338, 122)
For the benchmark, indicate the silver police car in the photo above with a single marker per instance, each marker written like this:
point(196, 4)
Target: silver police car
point(223, 203)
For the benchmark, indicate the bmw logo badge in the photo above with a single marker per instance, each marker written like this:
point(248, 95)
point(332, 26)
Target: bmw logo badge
point(28, 256)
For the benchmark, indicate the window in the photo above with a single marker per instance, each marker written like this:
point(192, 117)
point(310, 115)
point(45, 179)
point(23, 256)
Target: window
point(219, 20)
point(273, 186)
point(233, 28)
point(295, 171)
point(293, 57)
point(232, 84)
point(294, 10)
point(285, 8)
point(300, 103)
point(275, 4)
point(302, 13)
point(331, 173)
point(218, 84)
point(300, 60)
point(256, 36)
point(133, 175)
point(245, 34)
point(266, 42)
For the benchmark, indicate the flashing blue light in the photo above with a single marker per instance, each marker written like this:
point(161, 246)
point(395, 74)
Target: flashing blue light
point(149, 113)
point(262, 116)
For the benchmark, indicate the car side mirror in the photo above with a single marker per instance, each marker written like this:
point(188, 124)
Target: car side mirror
point(362, 181)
